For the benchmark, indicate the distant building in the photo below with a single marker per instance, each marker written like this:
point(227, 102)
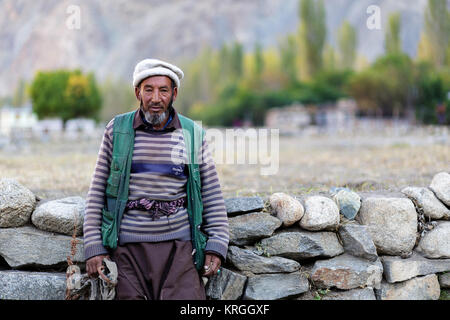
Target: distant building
point(341, 116)
point(17, 119)
point(20, 124)
point(76, 128)
point(289, 119)
point(80, 125)
point(51, 126)
point(297, 117)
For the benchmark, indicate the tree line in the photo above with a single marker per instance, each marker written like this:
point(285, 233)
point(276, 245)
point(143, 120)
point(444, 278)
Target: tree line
point(304, 68)
point(229, 84)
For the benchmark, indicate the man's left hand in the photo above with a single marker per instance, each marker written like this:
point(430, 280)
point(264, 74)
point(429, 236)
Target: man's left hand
point(212, 264)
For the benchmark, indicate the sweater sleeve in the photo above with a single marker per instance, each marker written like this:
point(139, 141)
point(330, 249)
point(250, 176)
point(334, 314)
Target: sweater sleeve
point(96, 197)
point(215, 220)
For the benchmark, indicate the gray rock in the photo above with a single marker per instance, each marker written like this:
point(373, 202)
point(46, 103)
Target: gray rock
point(436, 243)
point(334, 190)
point(20, 285)
point(427, 201)
point(347, 272)
point(366, 293)
point(276, 286)
point(440, 185)
point(357, 241)
point(321, 213)
point(240, 205)
point(248, 228)
point(391, 222)
point(16, 204)
point(227, 285)
point(288, 209)
point(299, 244)
point(61, 216)
point(27, 245)
point(397, 269)
point(420, 288)
point(348, 203)
point(444, 280)
point(247, 260)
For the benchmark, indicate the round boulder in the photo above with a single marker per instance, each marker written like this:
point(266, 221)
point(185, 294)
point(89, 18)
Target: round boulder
point(288, 209)
point(348, 202)
point(440, 184)
point(16, 203)
point(391, 222)
point(60, 216)
point(321, 213)
point(436, 243)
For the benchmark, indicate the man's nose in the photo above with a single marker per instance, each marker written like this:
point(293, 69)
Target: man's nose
point(156, 96)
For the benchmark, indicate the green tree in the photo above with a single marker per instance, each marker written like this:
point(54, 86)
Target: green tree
point(65, 94)
point(236, 60)
point(20, 94)
point(432, 88)
point(288, 56)
point(224, 61)
point(329, 58)
point(258, 60)
point(393, 44)
point(312, 34)
point(347, 44)
point(434, 43)
point(118, 97)
point(386, 88)
point(204, 76)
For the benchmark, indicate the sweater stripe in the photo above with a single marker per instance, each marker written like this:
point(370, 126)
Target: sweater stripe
point(156, 148)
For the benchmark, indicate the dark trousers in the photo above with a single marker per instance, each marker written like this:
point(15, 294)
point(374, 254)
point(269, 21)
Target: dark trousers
point(157, 271)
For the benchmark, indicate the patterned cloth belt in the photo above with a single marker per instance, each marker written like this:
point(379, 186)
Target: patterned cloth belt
point(156, 208)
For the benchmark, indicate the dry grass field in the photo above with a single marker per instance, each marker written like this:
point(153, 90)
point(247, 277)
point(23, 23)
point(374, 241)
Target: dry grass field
point(307, 164)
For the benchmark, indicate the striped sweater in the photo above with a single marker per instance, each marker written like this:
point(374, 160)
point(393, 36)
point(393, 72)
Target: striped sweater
point(166, 149)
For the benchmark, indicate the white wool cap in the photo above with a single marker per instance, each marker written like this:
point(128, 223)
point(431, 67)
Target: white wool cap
point(154, 67)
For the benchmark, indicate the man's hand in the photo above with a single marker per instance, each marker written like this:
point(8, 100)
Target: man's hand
point(212, 264)
point(93, 264)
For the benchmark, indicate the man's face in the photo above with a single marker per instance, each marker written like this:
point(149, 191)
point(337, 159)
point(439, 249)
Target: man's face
point(156, 94)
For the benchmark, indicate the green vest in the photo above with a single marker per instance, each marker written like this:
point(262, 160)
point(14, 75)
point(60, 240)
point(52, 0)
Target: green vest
point(116, 194)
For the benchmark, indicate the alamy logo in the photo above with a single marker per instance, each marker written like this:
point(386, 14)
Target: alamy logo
point(177, 171)
point(236, 146)
point(73, 21)
point(374, 21)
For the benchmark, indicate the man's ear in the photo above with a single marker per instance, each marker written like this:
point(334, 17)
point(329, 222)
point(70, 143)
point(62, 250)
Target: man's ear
point(137, 92)
point(175, 93)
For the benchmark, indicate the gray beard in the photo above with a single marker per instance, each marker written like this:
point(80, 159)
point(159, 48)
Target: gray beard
point(156, 119)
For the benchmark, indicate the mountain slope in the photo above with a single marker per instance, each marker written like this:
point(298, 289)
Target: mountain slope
point(114, 35)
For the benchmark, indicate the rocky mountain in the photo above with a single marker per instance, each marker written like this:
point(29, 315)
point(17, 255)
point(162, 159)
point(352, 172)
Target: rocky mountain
point(109, 37)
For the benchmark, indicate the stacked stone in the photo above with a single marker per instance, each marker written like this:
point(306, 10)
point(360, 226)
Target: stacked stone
point(339, 245)
point(36, 240)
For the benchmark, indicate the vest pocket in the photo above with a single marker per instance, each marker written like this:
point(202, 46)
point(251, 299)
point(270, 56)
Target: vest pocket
point(108, 228)
point(112, 187)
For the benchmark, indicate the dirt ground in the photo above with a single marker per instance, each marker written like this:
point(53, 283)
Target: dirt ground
point(308, 164)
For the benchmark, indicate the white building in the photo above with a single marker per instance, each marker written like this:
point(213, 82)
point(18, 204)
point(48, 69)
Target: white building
point(333, 117)
point(289, 119)
point(50, 126)
point(80, 128)
point(19, 119)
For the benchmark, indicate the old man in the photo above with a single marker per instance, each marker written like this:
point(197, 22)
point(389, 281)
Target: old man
point(155, 205)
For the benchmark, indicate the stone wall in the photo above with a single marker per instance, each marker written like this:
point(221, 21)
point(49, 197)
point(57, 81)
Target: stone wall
point(336, 246)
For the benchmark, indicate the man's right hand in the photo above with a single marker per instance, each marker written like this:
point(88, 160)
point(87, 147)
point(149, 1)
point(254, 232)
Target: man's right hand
point(93, 264)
